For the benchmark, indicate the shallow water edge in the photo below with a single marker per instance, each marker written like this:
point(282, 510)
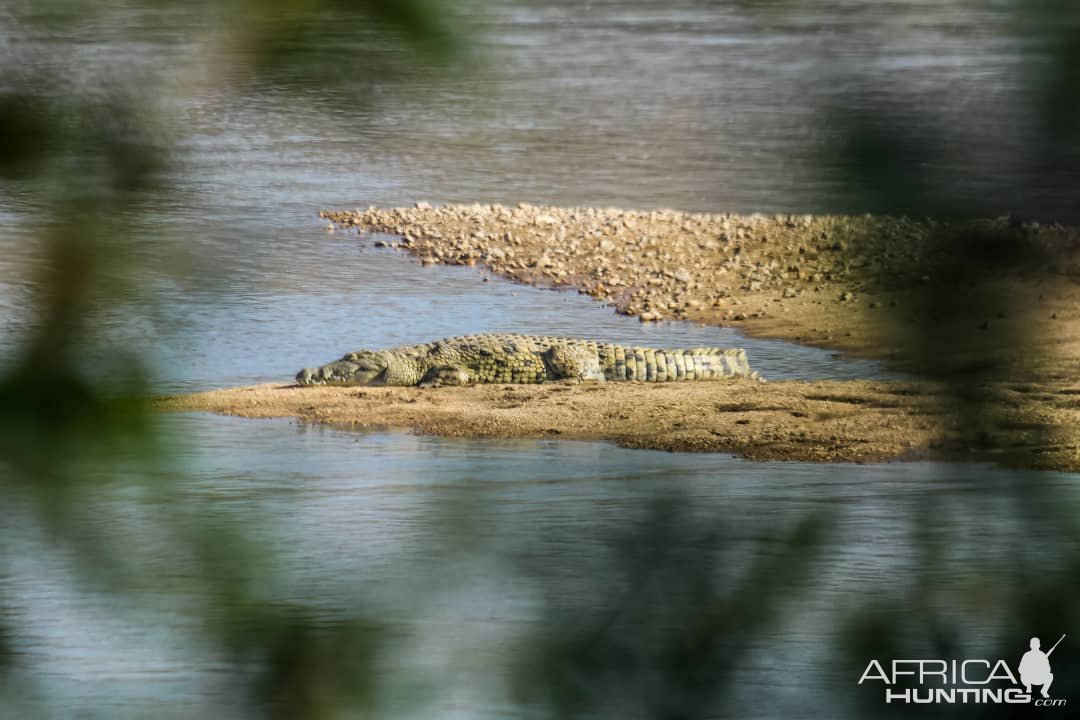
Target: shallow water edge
point(832, 421)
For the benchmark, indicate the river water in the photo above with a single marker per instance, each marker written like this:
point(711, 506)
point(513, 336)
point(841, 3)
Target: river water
point(691, 104)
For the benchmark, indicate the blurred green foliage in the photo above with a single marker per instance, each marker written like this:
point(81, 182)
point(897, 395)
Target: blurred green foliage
point(672, 638)
point(1025, 589)
point(69, 400)
point(672, 644)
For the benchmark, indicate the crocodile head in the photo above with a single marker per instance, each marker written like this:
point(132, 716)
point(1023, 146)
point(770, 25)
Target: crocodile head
point(359, 368)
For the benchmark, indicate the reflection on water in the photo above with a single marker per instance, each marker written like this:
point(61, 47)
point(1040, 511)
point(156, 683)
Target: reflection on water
point(346, 516)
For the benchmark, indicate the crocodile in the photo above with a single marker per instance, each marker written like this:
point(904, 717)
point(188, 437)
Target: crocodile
point(509, 358)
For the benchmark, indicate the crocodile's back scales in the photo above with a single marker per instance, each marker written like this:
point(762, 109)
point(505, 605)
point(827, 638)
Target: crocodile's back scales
point(511, 358)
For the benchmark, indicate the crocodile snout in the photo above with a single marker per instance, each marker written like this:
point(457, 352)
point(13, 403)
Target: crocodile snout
point(307, 376)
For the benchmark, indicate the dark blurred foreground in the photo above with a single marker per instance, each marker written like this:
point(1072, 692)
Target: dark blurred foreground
point(686, 610)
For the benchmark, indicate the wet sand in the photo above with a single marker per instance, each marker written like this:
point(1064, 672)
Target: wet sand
point(1006, 332)
point(835, 421)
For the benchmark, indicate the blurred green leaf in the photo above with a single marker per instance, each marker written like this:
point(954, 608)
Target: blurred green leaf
point(672, 636)
point(28, 134)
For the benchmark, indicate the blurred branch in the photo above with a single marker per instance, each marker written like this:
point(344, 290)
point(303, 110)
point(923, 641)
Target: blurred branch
point(669, 638)
point(72, 406)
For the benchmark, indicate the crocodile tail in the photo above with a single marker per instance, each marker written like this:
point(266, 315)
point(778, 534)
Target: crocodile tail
point(649, 365)
point(715, 363)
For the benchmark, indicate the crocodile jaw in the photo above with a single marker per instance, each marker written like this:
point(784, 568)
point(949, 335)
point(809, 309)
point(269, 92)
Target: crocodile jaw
point(342, 372)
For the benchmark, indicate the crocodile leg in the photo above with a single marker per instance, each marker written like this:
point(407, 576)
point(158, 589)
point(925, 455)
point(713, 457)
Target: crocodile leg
point(444, 375)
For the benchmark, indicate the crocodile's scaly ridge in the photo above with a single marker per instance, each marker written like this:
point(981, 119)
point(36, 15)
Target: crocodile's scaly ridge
point(510, 358)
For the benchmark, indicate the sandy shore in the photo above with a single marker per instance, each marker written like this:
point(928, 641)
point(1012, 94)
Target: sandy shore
point(989, 309)
point(848, 421)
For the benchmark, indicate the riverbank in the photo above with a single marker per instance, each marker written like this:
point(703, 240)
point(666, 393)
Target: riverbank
point(989, 311)
point(835, 421)
point(998, 296)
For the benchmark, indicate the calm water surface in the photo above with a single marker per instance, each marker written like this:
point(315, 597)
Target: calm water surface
point(692, 105)
point(349, 521)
